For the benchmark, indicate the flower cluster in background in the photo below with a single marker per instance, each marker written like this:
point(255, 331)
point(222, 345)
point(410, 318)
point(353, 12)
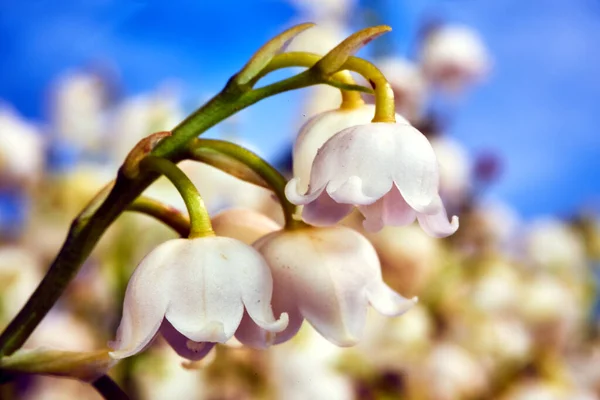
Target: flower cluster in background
point(507, 308)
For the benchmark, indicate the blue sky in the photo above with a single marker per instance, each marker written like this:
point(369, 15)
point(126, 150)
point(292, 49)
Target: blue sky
point(539, 109)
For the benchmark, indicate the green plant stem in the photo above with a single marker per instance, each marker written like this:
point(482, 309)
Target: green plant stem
point(350, 98)
point(385, 110)
point(89, 226)
point(84, 233)
point(200, 225)
point(168, 215)
point(109, 389)
point(268, 173)
point(229, 165)
point(231, 100)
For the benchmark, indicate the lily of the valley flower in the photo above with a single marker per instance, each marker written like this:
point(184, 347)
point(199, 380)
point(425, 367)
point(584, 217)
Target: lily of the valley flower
point(196, 291)
point(327, 276)
point(389, 170)
point(319, 129)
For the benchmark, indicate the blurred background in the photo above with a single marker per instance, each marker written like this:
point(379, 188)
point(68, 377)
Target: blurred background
point(507, 91)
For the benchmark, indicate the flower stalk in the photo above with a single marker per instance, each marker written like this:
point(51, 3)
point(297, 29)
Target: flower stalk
point(166, 214)
point(343, 80)
point(200, 225)
point(385, 108)
point(384, 95)
point(273, 178)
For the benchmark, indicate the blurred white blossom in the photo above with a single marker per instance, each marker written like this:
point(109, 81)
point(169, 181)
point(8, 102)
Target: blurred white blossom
point(553, 246)
point(409, 85)
point(305, 368)
point(138, 117)
point(78, 107)
point(455, 169)
point(451, 372)
point(21, 149)
point(454, 56)
point(20, 273)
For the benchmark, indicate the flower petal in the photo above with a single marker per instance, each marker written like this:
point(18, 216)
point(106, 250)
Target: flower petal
point(415, 168)
point(254, 336)
point(351, 192)
point(183, 346)
point(317, 130)
point(206, 304)
point(256, 287)
point(437, 225)
point(324, 211)
point(386, 301)
point(292, 193)
point(396, 211)
point(355, 164)
point(373, 216)
point(342, 320)
point(391, 209)
point(146, 301)
point(296, 320)
point(324, 272)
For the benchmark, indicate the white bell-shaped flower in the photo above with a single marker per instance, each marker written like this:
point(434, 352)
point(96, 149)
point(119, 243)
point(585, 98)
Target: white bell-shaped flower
point(196, 291)
point(319, 129)
point(327, 276)
point(388, 170)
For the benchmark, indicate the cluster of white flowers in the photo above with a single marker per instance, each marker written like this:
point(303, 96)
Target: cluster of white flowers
point(504, 307)
point(202, 291)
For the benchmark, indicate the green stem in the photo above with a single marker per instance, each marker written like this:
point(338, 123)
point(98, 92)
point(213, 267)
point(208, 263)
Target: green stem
point(87, 229)
point(350, 98)
point(200, 225)
point(268, 173)
point(228, 102)
point(229, 165)
point(385, 109)
point(384, 95)
point(84, 233)
point(168, 215)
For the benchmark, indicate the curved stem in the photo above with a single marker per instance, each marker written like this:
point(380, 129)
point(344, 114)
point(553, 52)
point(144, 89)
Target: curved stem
point(385, 108)
point(228, 102)
point(87, 229)
point(350, 98)
point(266, 171)
point(200, 225)
point(229, 165)
point(384, 95)
point(166, 214)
